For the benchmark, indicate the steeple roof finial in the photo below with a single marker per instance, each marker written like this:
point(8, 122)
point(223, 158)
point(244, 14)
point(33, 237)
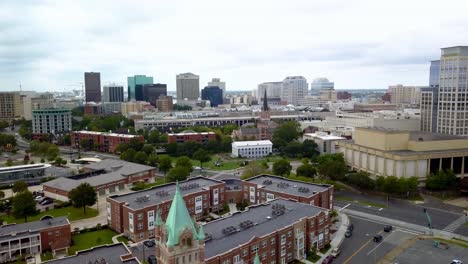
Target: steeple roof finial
point(265, 102)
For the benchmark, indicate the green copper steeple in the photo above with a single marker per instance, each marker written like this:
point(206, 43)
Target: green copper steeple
point(201, 233)
point(178, 219)
point(257, 259)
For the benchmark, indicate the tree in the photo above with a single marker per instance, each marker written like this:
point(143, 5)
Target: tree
point(332, 166)
point(58, 161)
point(178, 174)
point(361, 180)
point(306, 170)
point(140, 157)
point(19, 186)
point(152, 159)
point(442, 180)
point(202, 156)
point(84, 143)
point(148, 149)
point(286, 133)
point(165, 164)
point(128, 155)
point(24, 205)
point(153, 137)
point(309, 149)
point(83, 195)
point(252, 169)
point(293, 150)
point(9, 162)
point(184, 161)
point(2, 194)
point(380, 183)
point(392, 185)
point(282, 167)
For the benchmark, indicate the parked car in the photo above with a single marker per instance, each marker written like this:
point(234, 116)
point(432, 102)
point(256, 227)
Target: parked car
point(350, 227)
point(328, 260)
point(38, 198)
point(378, 238)
point(387, 228)
point(149, 243)
point(47, 201)
point(456, 261)
point(335, 252)
point(348, 233)
point(152, 259)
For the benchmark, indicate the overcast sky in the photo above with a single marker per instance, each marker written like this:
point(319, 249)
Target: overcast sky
point(47, 45)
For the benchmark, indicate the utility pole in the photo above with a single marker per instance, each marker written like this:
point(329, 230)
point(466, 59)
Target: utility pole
point(429, 221)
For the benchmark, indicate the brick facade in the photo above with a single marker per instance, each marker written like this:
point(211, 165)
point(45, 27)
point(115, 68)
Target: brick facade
point(201, 138)
point(106, 142)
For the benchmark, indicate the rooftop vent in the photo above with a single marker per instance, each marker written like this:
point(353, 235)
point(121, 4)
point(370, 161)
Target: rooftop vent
point(189, 186)
point(283, 185)
point(303, 189)
point(267, 182)
point(142, 199)
point(162, 193)
point(278, 209)
point(208, 237)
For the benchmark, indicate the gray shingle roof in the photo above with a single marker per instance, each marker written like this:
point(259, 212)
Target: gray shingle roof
point(284, 185)
point(221, 243)
point(198, 184)
point(108, 254)
point(6, 231)
point(123, 167)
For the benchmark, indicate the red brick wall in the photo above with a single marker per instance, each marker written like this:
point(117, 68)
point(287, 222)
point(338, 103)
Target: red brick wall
point(185, 138)
point(56, 238)
point(55, 190)
point(113, 141)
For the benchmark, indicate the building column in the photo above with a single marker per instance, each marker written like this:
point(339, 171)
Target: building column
point(416, 168)
point(404, 168)
point(384, 166)
point(440, 163)
point(394, 167)
point(463, 167)
point(451, 163)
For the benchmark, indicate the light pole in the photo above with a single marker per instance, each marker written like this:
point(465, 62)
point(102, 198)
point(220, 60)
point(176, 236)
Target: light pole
point(429, 221)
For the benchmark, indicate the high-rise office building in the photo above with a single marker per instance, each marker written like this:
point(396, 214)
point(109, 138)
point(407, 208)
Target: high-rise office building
point(92, 86)
point(11, 106)
point(429, 104)
point(133, 81)
point(320, 83)
point(51, 121)
point(294, 88)
point(214, 94)
point(219, 83)
point(434, 73)
point(164, 103)
point(452, 116)
point(150, 92)
point(188, 86)
point(400, 94)
point(113, 93)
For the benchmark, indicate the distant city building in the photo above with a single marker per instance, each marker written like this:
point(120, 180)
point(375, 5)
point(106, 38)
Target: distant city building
point(400, 153)
point(93, 108)
point(400, 94)
point(92, 82)
point(51, 121)
point(26, 102)
point(386, 97)
point(135, 107)
point(343, 95)
point(388, 119)
point(11, 106)
point(214, 94)
point(326, 144)
point(320, 83)
point(452, 110)
point(133, 81)
point(164, 103)
point(252, 149)
point(219, 83)
point(105, 142)
point(188, 86)
point(429, 106)
point(150, 92)
point(328, 94)
point(113, 93)
point(273, 92)
point(188, 135)
point(52, 234)
point(43, 101)
point(294, 88)
point(434, 73)
point(370, 107)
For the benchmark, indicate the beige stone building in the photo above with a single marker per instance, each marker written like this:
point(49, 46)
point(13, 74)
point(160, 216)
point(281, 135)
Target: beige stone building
point(399, 153)
point(400, 94)
point(11, 106)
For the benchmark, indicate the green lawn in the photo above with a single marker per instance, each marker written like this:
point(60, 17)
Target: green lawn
point(344, 198)
point(72, 213)
point(123, 239)
point(454, 241)
point(91, 239)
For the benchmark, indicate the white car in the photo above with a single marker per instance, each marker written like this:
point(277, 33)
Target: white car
point(335, 252)
point(456, 261)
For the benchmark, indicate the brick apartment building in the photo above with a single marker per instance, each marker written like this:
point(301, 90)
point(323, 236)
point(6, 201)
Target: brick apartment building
point(107, 177)
point(133, 214)
point(186, 136)
point(106, 142)
point(34, 237)
point(275, 232)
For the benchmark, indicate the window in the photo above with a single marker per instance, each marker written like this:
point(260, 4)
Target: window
point(150, 213)
point(254, 249)
point(283, 251)
point(140, 216)
point(289, 233)
point(140, 226)
point(264, 244)
point(236, 259)
point(57, 233)
point(272, 241)
point(264, 256)
point(140, 235)
point(244, 252)
point(283, 239)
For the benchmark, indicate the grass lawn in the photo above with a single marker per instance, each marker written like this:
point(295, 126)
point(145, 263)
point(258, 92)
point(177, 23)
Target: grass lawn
point(454, 241)
point(123, 239)
point(72, 213)
point(156, 182)
point(91, 239)
point(344, 198)
point(466, 224)
point(313, 257)
point(325, 249)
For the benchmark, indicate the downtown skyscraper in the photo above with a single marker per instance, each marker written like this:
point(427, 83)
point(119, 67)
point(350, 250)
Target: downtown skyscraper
point(92, 82)
point(188, 86)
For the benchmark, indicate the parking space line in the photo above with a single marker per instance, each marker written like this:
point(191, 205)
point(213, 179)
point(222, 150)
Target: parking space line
point(381, 242)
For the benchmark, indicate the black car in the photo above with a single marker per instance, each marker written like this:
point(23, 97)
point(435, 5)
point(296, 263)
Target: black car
point(348, 233)
point(47, 201)
point(152, 259)
point(387, 228)
point(350, 227)
point(378, 238)
point(149, 243)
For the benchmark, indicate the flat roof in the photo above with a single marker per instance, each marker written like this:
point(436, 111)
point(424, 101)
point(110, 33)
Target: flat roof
point(324, 136)
point(288, 186)
point(6, 231)
point(124, 168)
point(162, 193)
point(108, 254)
point(24, 167)
point(251, 143)
point(106, 133)
point(190, 133)
point(221, 242)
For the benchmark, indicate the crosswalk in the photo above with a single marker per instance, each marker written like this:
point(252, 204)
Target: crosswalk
point(455, 224)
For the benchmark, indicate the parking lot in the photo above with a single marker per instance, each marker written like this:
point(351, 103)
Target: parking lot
point(424, 251)
point(360, 247)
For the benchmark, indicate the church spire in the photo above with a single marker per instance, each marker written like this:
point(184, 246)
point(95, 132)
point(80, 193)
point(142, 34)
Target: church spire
point(265, 102)
point(257, 259)
point(178, 219)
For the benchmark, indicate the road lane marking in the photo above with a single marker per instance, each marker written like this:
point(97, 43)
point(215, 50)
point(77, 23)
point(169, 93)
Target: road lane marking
point(380, 209)
point(344, 207)
point(359, 250)
point(381, 242)
point(384, 223)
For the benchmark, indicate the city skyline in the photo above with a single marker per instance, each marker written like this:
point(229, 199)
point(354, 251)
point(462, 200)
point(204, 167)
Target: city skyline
point(356, 44)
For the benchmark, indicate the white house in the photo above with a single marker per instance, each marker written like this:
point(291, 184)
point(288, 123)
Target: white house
point(252, 149)
point(326, 144)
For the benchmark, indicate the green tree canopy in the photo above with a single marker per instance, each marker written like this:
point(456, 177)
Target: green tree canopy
point(306, 170)
point(442, 180)
point(285, 133)
point(165, 164)
point(332, 166)
point(24, 205)
point(19, 186)
point(252, 169)
point(202, 156)
point(140, 157)
point(128, 155)
point(83, 195)
point(184, 161)
point(178, 174)
point(282, 167)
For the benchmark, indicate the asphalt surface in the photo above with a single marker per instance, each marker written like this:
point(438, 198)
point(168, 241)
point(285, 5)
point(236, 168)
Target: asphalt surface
point(424, 251)
point(360, 247)
point(405, 211)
